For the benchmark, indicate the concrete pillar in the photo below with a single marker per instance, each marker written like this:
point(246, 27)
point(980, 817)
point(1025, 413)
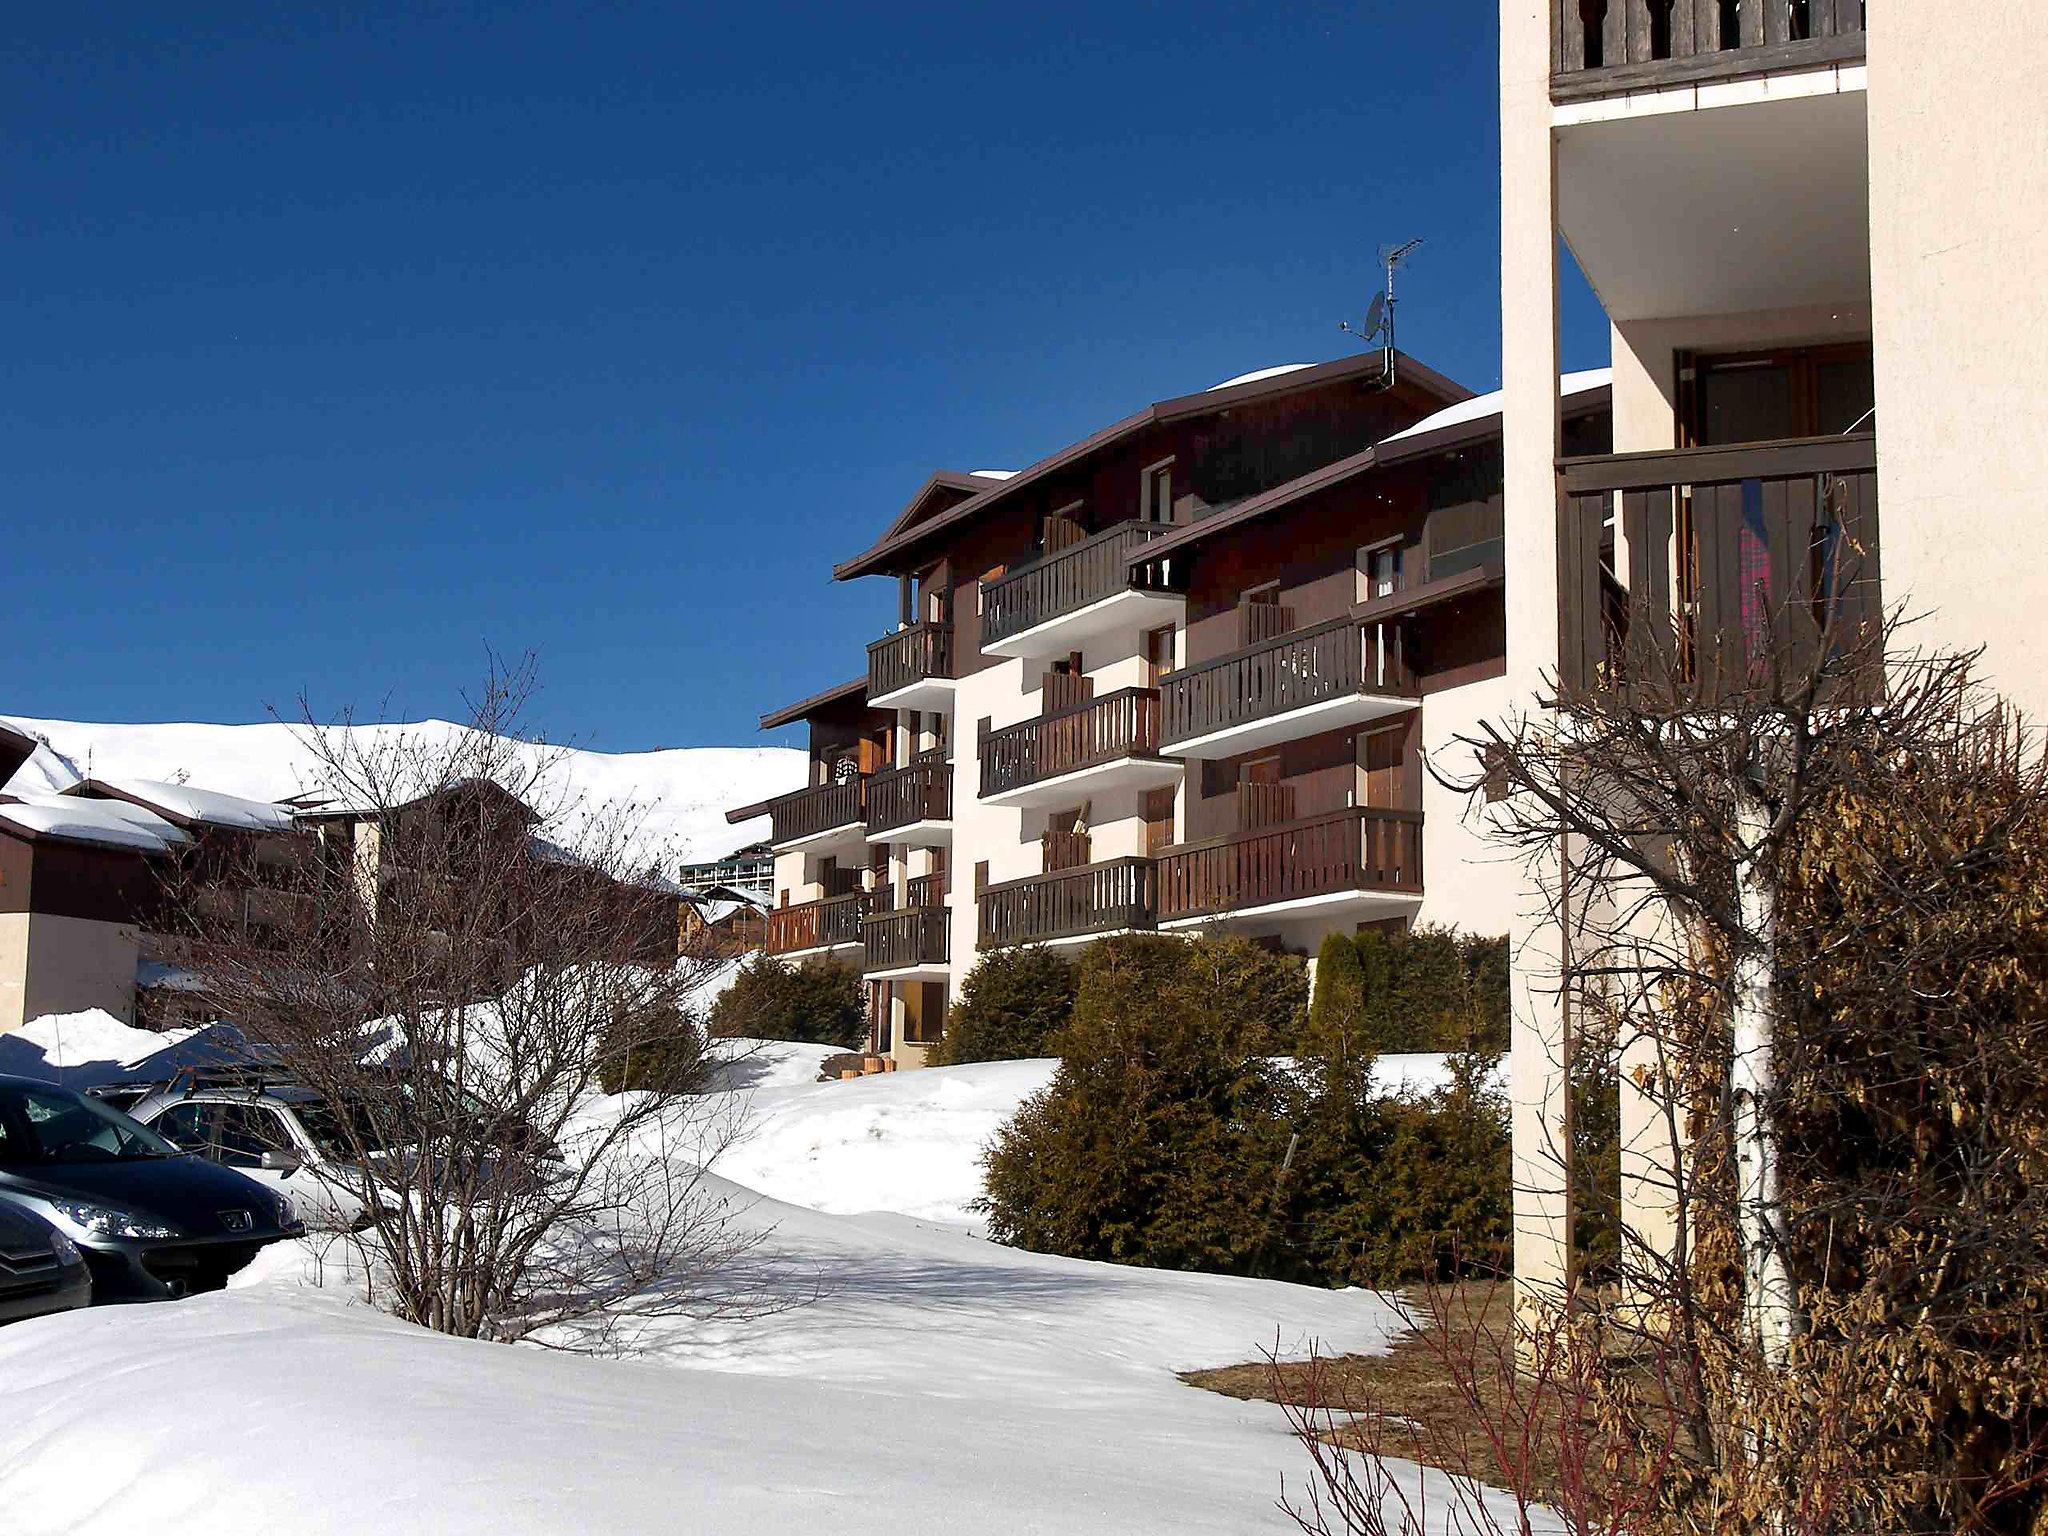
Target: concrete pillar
point(1529, 369)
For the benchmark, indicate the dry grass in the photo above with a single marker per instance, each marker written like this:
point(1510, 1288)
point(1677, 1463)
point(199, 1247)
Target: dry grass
point(1410, 1402)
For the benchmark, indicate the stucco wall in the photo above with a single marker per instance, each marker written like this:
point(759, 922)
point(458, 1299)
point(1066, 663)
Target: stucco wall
point(1959, 182)
point(54, 964)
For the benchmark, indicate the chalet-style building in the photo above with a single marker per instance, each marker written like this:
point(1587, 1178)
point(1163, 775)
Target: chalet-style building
point(1180, 675)
point(1816, 239)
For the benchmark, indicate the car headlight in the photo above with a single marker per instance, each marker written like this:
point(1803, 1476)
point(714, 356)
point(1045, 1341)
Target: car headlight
point(65, 1249)
point(86, 1219)
point(286, 1216)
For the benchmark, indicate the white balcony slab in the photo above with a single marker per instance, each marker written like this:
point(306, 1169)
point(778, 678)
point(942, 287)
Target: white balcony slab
point(1330, 911)
point(1123, 773)
point(1128, 611)
point(918, 834)
point(850, 834)
point(1292, 725)
point(929, 695)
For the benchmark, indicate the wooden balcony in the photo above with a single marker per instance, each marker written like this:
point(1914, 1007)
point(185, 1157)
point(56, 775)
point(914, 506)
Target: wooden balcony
point(908, 940)
point(1074, 594)
point(1347, 859)
point(1110, 897)
point(1089, 745)
point(912, 669)
point(1775, 548)
point(1608, 46)
point(811, 815)
point(912, 804)
point(1322, 678)
point(817, 925)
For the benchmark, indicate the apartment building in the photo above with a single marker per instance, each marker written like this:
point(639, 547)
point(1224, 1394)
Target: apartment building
point(1816, 237)
point(1180, 675)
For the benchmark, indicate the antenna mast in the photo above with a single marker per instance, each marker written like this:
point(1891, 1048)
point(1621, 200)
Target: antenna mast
point(1379, 315)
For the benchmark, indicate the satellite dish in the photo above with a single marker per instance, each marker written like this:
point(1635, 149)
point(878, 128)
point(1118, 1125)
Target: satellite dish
point(1375, 317)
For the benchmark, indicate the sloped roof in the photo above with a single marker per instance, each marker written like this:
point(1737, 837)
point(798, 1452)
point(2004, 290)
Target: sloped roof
point(1265, 384)
point(186, 805)
point(100, 823)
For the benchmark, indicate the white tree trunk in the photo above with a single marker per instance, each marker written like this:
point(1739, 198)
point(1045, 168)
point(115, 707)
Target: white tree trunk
point(1768, 1298)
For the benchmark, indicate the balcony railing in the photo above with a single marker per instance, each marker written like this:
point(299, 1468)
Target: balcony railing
point(1612, 45)
point(809, 812)
point(1062, 582)
point(911, 935)
point(1083, 735)
point(913, 655)
point(1354, 850)
point(1776, 545)
point(902, 797)
point(817, 924)
point(1097, 898)
point(1334, 660)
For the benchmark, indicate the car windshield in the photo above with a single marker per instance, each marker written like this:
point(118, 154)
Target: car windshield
point(42, 1124)
point(340, 1126)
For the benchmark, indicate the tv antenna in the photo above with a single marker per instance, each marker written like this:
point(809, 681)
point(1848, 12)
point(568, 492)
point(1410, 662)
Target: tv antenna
point(1378, 325)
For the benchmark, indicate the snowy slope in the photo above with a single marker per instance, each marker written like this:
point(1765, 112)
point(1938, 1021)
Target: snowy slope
point(680, 795)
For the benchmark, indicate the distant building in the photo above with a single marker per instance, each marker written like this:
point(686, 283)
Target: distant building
point(750, 869)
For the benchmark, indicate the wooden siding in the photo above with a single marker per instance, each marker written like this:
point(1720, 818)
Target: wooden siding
point(1336, 660)
point(809, 812)
point(1084, 735)
point(909, 656)
point(1602, 46)
point(1763, 517)
point(815, 924)
point(1062, 582)
point(911, 935)
point(1096, 898)
point(919, 791)
point(1354, 850)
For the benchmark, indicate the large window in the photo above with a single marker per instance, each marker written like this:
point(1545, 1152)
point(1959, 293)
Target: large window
point(1756, 397)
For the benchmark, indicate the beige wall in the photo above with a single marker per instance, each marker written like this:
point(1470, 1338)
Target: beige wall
point(1529, 424)
point(64, 965)
point(1959, 289)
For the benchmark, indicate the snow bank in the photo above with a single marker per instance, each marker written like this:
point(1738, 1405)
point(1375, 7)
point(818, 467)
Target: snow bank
point(681, 795)
point(83, 1050)
point(891, 1141)
point(742, 1065)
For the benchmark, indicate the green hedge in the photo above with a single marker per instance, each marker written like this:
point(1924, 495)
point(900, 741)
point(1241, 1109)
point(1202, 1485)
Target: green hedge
point(819, 1002)
point(1009, 1007)
point(1428, 990)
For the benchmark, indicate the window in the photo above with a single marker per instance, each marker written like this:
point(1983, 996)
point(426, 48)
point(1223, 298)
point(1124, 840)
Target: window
point(1155, 495)
point(1158, 654)
point(1383, 571)
point(1753, 397)
point(244, 1132)
point(53, 1125)
point(1158, 819)
point(185, 1124)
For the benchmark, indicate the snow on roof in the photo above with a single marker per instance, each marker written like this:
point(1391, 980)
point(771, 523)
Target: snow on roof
point(107, 823)
point(993, 474)
point(209, 807)
point(1257, 374)
point(43, 772)
point(1481, 406)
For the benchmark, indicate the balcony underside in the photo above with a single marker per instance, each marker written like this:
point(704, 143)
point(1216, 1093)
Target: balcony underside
point(922, 970)
point(1120, 612)
point(930, 694)
point(916, 834)
point(1332, 910)
point(1125, 773)
point(1291, 725)
point(1663, 230)
point(842, 948)
point(848, 835)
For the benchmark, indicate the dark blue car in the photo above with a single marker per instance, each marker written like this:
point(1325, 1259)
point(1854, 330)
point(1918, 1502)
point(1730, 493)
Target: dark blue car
point(152, 1221)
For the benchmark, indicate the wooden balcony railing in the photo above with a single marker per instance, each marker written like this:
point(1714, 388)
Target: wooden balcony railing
point(1612, 45)
point(1084, 735)
point(926, 890)
point(1775, 546)
point(817, 924)
point(1096, 898)
point(1061, 582)
point(1260, 622)
point(808, 812)
point(902, 797)
point(911, 935)
point(1353, 850)
point(909, 656)
point(1332, 660)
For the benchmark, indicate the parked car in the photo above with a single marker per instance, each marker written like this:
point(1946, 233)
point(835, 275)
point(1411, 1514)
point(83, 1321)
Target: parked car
point(154, 1222)
point(41, 1270)
point(284, 1137)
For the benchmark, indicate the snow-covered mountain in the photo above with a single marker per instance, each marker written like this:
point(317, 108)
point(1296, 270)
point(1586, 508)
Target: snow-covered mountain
point(678, 797)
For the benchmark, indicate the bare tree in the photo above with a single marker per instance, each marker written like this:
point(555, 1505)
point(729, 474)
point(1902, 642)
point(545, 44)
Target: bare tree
point(473, 969)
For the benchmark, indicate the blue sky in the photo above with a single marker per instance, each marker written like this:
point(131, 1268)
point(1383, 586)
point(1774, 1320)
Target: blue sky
point(344, 342)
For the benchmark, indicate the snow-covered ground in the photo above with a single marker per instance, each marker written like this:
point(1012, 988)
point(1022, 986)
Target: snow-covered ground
point(678, 798)
point(921, 1380)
